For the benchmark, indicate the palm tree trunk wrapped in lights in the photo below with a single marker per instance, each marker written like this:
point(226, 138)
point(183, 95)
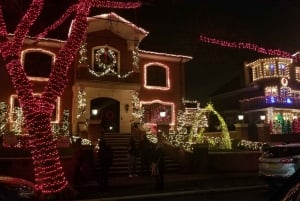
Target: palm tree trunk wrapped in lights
point(49, 175)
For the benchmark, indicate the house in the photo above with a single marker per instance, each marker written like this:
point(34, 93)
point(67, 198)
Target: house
point(269, 95)
point(109, 69)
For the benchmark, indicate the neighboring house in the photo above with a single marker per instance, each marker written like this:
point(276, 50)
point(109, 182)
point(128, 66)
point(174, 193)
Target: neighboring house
point(271, 94)
point(108, 70)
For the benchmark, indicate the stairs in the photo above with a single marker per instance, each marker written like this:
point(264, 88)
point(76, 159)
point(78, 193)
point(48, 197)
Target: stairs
point(119, 143)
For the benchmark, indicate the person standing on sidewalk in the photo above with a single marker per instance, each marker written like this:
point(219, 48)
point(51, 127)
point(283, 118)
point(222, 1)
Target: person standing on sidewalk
point(159, 163)
point(145, 148)
point(132, 154)
point(105, 158)
point(77, 161)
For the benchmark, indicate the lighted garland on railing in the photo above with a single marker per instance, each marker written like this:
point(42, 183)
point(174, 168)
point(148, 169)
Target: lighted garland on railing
point(109, 72)
point(49, 175)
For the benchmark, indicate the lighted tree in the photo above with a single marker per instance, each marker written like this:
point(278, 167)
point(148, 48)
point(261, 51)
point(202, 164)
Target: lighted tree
point(197, 133)
point(49, 175)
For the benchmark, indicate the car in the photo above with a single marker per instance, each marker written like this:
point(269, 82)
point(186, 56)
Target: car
point(278, 162)
point(16, 189)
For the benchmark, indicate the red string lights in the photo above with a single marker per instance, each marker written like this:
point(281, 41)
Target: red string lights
point(243, 45)
point(37, 110)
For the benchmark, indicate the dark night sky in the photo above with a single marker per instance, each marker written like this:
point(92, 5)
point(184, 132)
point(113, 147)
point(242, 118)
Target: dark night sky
point(175, 26)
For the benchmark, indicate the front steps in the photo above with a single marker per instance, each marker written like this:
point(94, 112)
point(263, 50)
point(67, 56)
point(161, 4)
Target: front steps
point(119, 144)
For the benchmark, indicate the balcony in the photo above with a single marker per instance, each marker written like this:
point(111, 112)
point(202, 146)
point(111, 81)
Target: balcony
point(265, 102)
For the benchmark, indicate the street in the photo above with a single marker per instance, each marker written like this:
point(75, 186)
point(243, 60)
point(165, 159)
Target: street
point(232, 188)
point(231, 195)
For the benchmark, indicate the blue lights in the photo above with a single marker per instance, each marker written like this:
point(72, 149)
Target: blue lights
point(282, 100)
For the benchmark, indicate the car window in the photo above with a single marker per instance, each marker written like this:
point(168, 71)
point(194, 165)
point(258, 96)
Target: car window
point(283, 151)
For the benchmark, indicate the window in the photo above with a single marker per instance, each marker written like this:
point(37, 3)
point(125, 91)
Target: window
point(285, 92)
point(156, 76)
point(269, 69)
point(37, 63)
point(157, 113)
point(281, 69)
point(271, 91)
point(297, 73)
point(14, 103)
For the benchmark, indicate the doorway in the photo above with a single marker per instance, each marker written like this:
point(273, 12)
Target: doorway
point(107, 111)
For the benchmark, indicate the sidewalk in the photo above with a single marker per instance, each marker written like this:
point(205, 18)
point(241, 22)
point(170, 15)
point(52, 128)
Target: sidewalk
point(122, 186)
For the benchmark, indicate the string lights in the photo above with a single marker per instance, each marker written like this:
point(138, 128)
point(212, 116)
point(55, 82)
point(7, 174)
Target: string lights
point(49, 174)
point(243, 45)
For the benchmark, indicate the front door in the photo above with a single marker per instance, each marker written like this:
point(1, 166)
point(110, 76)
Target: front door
point(108, 112)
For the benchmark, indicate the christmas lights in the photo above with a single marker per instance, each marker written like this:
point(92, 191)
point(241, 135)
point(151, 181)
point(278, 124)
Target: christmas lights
point(37, 110)
point(243, 45)
point(3, 117)
point(81, 103)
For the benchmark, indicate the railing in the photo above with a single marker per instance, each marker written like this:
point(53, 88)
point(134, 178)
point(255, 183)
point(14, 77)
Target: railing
point(263, 102)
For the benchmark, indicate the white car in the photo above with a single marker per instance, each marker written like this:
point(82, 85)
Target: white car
point(279, 162)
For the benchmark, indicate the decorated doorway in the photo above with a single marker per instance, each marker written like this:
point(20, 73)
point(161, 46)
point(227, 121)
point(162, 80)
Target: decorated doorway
point(107, 111)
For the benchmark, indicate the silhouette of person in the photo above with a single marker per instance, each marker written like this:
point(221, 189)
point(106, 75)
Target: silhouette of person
point(77, 161)
point(145, 151)
point(159, 160)
point(105, 158)
point(132, 154)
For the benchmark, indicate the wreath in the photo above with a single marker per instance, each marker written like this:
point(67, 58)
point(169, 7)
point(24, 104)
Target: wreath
point(105, 58)
point(109, 115)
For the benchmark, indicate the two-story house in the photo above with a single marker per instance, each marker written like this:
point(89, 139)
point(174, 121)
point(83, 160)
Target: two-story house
point(109, 69)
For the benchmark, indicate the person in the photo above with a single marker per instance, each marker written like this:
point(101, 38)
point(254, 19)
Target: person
point(77, 157)
point(105, 159)
point(132, 154)
point(145, 150)
point(159, 161)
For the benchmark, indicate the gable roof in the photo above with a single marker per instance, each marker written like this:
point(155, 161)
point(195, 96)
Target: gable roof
point(117, 25)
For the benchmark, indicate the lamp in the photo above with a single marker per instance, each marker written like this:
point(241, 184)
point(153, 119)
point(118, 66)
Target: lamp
point(162, 114)
point(240, 117)
point(94, 112)
point(262, 117)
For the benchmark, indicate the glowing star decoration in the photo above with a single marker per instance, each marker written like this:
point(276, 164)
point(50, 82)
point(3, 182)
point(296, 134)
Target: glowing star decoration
point(49, 175)
point(243, 45)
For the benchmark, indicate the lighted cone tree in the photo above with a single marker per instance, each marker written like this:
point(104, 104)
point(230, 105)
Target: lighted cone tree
point(49, 174)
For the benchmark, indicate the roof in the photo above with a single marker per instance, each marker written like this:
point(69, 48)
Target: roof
point(116, 24)
point(165, 56)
